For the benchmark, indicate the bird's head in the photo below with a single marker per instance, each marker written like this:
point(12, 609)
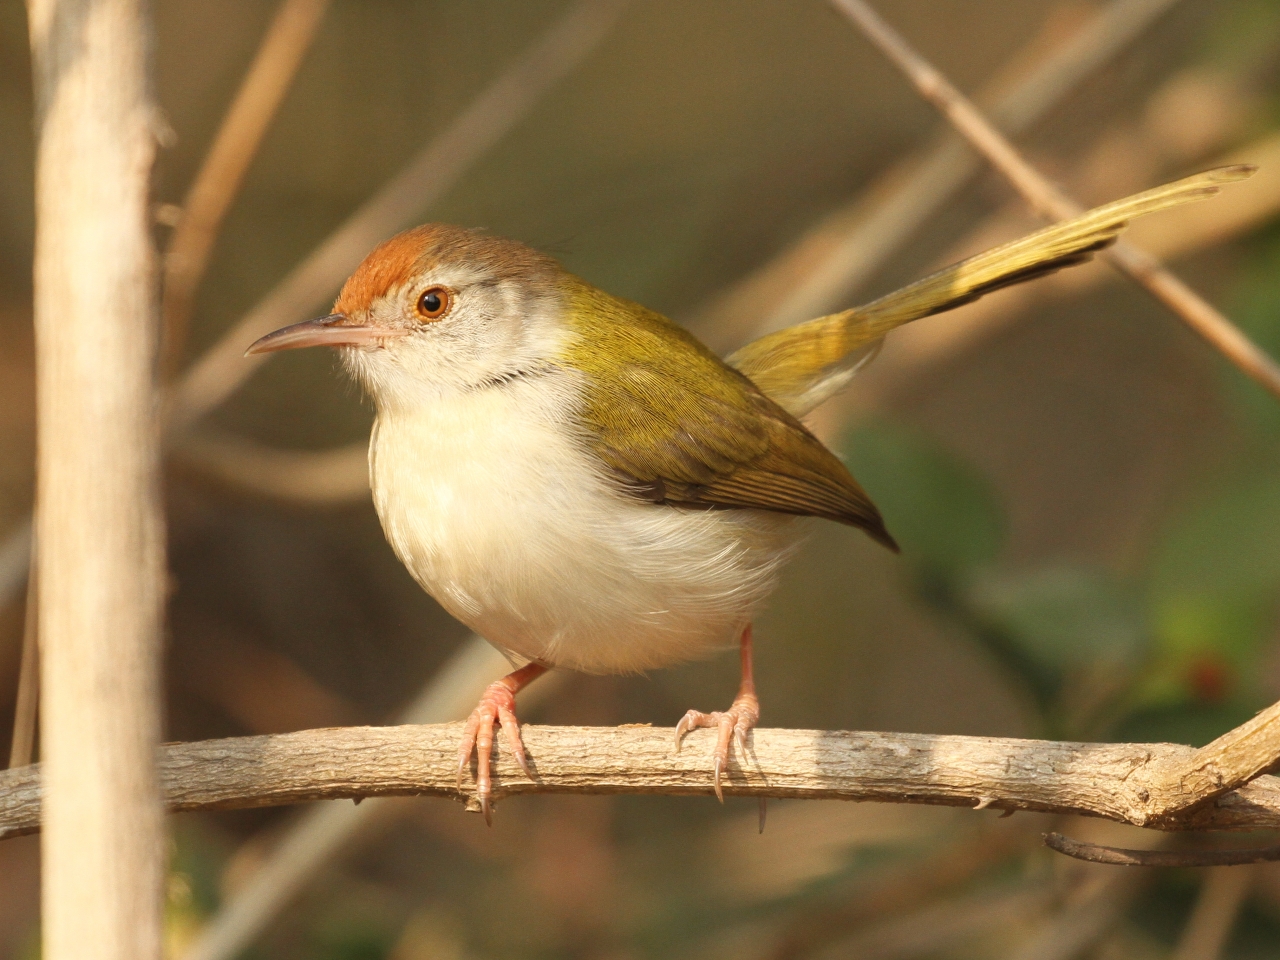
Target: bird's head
point(439, 309)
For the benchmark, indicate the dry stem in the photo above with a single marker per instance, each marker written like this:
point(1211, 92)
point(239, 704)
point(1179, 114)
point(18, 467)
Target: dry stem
point(434, 169)
point(216, 185)
point(822, 270)
point(100, 525)
point(1047, 200)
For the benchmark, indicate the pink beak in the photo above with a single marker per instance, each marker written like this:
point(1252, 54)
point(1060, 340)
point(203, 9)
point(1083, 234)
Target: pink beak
point(335, 330)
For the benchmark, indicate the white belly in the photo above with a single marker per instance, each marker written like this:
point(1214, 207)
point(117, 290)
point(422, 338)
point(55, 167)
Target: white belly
point(500, 517)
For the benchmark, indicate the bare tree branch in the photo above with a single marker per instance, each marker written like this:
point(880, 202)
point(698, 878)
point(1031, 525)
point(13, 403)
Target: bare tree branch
point(1046, 199)
point(216, 185)
point(1235, 758)
point(1126, 782)
point(314, 477)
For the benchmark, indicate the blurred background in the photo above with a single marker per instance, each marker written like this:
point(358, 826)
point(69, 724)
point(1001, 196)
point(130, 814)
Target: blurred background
point(1086, 494)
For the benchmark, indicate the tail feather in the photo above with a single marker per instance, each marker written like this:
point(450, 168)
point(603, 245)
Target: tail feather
point(801, 366)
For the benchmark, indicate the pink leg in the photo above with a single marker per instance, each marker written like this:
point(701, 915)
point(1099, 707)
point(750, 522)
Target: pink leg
point(496, 707)
point(733, 723)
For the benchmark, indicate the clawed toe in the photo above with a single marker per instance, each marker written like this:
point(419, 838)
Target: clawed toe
point(495, 709)
point(732, 724)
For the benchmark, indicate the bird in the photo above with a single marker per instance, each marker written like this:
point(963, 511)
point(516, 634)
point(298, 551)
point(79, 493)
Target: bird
point(585, 484)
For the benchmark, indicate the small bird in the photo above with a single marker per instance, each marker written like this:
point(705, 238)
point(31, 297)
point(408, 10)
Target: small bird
point(584, 483)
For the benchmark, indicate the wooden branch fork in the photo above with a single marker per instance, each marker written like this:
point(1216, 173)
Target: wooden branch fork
point(1170, 787)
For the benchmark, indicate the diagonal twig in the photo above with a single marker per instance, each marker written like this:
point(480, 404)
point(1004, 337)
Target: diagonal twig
point(823, 269)
point(1047, 200)
point(218, 182)
point(431, 172)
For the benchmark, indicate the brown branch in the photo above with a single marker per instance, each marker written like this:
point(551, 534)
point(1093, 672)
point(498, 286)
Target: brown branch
point(1124, 782)
point(920, 348)
point(1047, 200)
point(218, 181)
point(1117, 856)
point(1235, 758)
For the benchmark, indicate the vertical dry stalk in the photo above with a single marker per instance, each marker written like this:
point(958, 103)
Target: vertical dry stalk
point(22, 747)
point(216, 185)
point(99, 525)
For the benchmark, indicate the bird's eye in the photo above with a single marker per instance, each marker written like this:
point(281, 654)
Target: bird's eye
point(434, 303)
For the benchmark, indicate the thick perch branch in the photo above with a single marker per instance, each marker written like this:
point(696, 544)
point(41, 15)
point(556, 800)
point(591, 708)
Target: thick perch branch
point(1132, 783)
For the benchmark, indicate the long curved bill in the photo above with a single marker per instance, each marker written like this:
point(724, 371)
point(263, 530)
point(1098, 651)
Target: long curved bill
point(335, 330)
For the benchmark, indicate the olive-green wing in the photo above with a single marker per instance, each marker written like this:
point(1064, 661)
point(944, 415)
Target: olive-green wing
point(676, 425)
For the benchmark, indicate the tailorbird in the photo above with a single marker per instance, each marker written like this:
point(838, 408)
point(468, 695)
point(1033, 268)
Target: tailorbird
point(584, 483)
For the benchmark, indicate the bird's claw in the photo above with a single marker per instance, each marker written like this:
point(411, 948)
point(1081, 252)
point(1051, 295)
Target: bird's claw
point(732, 724)
point(496, 708)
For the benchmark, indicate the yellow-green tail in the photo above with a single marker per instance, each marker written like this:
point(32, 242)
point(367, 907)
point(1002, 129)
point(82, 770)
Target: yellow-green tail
point(801, 366)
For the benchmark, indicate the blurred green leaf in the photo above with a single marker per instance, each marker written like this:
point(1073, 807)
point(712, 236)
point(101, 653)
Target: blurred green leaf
point(1063, 617)
point(942, 512)
point(1228, 546)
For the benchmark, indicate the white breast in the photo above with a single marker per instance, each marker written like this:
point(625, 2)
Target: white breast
point(500, 515)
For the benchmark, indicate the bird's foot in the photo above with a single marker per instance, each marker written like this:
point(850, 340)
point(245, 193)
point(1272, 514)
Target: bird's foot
point(735, 723)
point(496, 708)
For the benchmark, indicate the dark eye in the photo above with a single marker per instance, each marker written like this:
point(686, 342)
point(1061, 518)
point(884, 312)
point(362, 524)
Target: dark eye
point(434, 303)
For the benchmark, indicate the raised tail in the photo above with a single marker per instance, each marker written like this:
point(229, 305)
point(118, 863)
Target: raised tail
point(801, 366)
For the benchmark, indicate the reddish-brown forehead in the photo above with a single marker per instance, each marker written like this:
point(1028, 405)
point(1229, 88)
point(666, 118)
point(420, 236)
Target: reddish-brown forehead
point(392, 263)
point(400, 259)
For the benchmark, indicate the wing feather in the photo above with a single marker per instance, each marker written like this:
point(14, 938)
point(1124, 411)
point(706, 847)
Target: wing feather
point(677, 425)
